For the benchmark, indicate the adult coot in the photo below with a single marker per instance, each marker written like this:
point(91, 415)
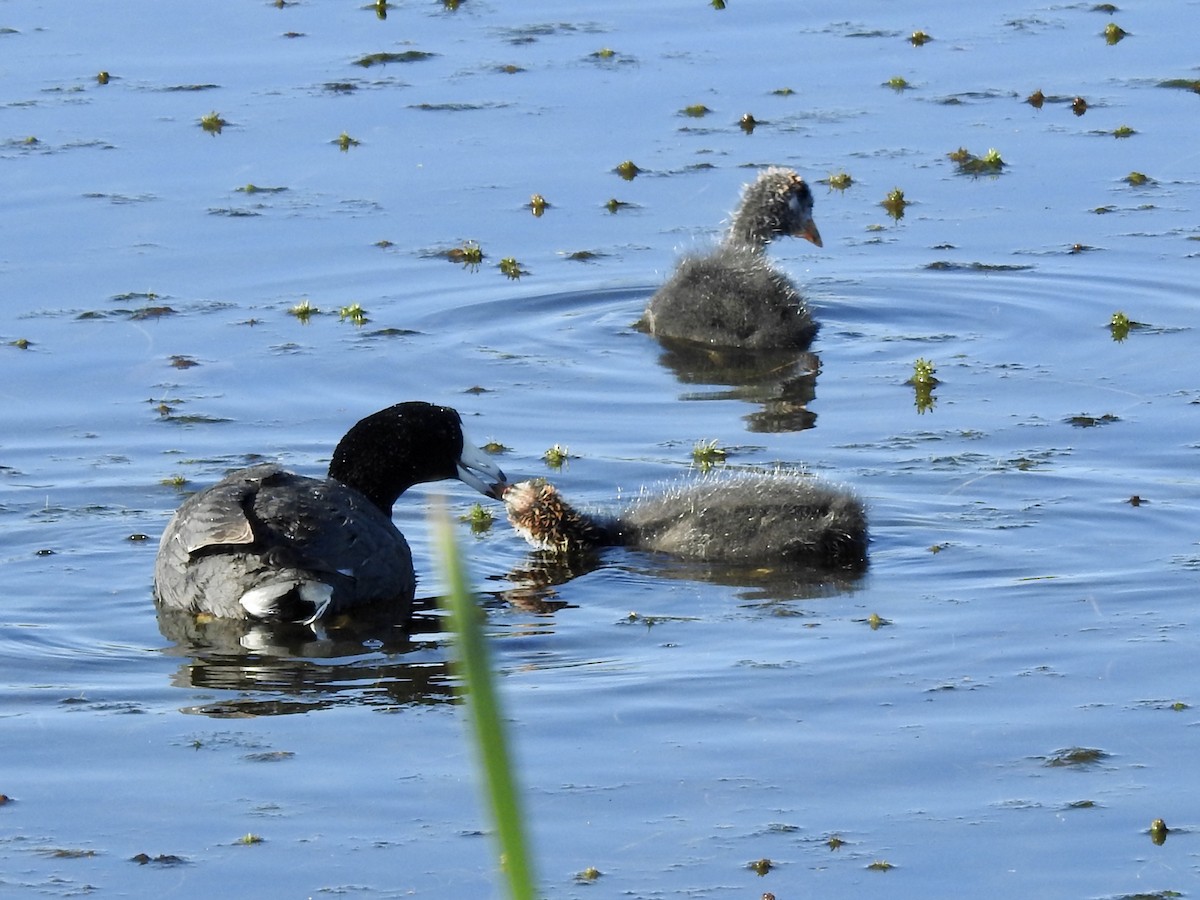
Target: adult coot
point(750, 517)
point(264, 543)
point(733, 296)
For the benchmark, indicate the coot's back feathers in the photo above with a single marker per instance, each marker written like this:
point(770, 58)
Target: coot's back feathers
point(264, 543)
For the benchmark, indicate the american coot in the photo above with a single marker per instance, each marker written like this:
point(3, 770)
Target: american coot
point(750, 517)
point(264, 543)
point(733, 296)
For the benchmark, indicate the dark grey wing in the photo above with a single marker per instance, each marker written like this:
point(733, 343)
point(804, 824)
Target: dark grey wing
point(218, 515)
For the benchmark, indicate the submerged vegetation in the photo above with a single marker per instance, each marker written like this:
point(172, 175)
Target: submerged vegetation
point(1186, 84)
point(1075, 757)
point(970, 164)
point(381, 59)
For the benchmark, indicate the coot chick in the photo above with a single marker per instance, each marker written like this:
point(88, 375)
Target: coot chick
point(733, 296)
point(266, 544)
point(751, 517)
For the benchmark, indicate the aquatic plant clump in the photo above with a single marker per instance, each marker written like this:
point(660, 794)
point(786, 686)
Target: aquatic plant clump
point(556, 456)
point(706, 454)
point(895, 203)
point(355, 313)
point(213, 123)
point(923, 373)
point(478, 518)
point(511, 268)
point(303, 311)
point(923, 382)
point(470, 254)
point(628, 170)
point(1120, 325)
point(969, 164)
point(839, 181)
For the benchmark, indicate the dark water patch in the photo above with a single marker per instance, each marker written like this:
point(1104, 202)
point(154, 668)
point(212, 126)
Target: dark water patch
point(122, 199)
point(189, 419)
point(187, 88)
point(1075, 758)
point(1088, 421)
point(270, 756)
point(942, 265)
point(166, 860)
point(585, 256)
point(231, 212)
point(459, 107)
point(528, 34)
point(387, 57)
point(257, 189)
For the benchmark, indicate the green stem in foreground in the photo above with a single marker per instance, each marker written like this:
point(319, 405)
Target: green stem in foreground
point(476, 687)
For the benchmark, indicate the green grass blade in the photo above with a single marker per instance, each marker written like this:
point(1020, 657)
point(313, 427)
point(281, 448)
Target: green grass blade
point(476, 687)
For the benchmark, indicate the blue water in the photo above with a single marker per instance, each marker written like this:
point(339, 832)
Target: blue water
point(671, 724)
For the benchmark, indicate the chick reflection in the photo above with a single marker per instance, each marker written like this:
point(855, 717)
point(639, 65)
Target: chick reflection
point(783, 382)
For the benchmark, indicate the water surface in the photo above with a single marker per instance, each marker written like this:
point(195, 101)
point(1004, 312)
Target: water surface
point(672, 723)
